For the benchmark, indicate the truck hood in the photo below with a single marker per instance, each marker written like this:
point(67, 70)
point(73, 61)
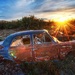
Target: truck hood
point(69, 44)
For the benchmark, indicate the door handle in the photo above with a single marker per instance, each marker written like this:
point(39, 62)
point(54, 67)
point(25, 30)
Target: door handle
point(34, 48)
point(64, 46)
point(67, 46)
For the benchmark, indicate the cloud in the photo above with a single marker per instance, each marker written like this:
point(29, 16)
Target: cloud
point(14, 9)
point(68, 13)
point(54, 5)
point(22, 3)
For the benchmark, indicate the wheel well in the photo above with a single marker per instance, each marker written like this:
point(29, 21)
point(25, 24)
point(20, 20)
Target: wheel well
point(71, 53)
point(4, 59)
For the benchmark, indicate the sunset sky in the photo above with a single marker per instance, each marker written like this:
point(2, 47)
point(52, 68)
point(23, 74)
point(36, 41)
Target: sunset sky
point(46, 9)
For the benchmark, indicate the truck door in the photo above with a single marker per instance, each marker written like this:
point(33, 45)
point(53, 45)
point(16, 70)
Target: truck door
point(21, 48)
point(44, 47)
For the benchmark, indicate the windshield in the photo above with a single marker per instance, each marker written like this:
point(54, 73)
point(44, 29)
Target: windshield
point(55, 39)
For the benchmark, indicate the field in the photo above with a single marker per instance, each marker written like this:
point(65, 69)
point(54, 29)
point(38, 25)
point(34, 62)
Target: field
point(51, 67)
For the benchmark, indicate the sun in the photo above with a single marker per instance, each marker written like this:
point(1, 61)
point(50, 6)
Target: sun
point(60, 19)
point(62, 26)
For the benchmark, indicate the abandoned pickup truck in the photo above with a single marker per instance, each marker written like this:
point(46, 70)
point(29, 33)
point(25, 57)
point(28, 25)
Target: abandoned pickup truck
point(34, 45)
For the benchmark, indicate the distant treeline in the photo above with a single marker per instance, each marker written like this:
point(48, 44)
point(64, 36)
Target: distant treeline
point(25, 23)
point(32, 23)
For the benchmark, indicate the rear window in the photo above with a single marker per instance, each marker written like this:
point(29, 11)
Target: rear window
point(21, 40)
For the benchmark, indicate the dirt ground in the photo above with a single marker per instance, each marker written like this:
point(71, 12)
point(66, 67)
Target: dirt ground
point(6, 32)
point(61, 67)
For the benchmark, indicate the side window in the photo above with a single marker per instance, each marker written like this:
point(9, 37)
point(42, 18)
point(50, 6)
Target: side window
point(26, 39)
point(41, 38)
point(38, 38)
point(47, 38)
point(21, 40)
